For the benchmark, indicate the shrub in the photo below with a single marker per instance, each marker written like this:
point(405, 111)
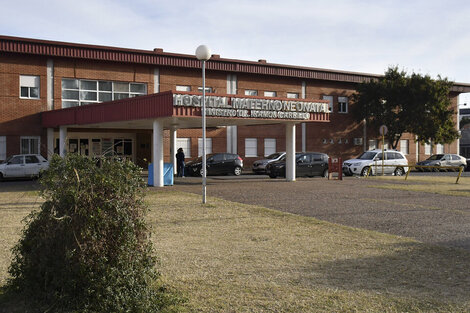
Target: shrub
point(88, 249)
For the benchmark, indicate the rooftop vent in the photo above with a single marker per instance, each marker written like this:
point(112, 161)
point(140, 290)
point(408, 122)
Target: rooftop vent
point(158, 50)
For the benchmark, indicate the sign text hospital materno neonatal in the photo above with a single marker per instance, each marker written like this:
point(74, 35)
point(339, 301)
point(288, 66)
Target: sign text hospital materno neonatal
point(252, 108)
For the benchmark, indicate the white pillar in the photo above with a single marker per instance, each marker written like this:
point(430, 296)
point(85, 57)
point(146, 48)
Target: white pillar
point(157, 153)
point(62, 138)
point(50, 143)
point(290, 152)
point(173, 136)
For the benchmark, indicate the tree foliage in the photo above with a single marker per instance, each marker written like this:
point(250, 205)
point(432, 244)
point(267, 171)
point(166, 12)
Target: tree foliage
point(407, 104)
point(87, 249)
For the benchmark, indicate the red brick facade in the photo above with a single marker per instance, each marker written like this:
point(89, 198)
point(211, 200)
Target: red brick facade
point(22, 117)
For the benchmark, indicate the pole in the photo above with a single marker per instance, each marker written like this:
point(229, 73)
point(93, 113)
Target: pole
point(383, 152)
point(204, 166)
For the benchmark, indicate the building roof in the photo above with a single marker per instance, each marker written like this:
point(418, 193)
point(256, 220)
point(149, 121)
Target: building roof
point(160, 58)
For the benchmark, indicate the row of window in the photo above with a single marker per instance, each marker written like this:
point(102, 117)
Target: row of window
point(76, 92)
point(28, 145)
point(251, 146)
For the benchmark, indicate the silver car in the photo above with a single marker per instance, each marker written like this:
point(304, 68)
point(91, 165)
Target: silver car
point(23, 165)
point(259, 166)
point(443, 160)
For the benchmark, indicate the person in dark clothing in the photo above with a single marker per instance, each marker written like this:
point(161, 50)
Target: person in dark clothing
point(180, 163)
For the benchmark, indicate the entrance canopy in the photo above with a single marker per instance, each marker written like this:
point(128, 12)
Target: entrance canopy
point(183, 110)
point(176, 110)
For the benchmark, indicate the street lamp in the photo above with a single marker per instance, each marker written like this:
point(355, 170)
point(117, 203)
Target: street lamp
point(203, 53)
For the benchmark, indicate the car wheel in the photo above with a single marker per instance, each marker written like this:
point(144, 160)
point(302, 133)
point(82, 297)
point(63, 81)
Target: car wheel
point(237, 171)
point(399, 171)
point(272, 175)
point(201, 172)
point(364, 171)
point(325, 173)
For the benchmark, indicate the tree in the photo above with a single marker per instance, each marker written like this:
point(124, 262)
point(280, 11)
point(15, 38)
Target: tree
point(88, 248)
point(407, 104)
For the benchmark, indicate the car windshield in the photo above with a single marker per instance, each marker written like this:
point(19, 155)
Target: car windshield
point(367, 155)
point(273, 156)
point(9, 159)
point(435, 157)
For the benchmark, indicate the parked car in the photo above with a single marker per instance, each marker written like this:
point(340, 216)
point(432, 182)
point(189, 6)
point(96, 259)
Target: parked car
point(443, 160)
point(217, 164)
point(361, 165)
point(259, 166)
point(306, 164)
point(23, 165)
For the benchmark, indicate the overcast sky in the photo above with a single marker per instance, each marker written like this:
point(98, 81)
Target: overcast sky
point(424, 36)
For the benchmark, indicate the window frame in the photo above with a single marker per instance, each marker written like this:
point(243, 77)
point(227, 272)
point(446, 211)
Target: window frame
point(36, 81)
point(251, 147)
point(29, 146)
point(269, 147)
point(343, 105)
point(208, 146)
point(330, 100)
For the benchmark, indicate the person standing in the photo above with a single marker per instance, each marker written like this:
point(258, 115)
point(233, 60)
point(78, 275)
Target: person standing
point(180, 163)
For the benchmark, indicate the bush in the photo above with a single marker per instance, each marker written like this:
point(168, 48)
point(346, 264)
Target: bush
point(87, 249)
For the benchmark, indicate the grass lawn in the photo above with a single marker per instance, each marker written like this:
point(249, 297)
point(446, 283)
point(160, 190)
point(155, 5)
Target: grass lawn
point(436, 184)
point(230, 257)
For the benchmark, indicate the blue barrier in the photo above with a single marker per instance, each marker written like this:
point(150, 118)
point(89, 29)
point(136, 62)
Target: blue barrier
point(167, 174)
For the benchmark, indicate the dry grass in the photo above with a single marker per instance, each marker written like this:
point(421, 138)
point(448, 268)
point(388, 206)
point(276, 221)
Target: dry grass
point(433, 184)
point(230, 257)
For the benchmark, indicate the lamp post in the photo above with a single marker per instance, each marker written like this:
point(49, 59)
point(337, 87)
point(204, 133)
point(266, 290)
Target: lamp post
point(203, 53)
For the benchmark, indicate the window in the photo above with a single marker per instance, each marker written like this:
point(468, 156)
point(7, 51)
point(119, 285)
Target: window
point(251, 147)
point(29, 145)
point(270, 94)
point(184, 143)
point(342, 104)
point(249, 92)
point(330, 102)
point(3, 148)
point(29, 87)
point(293, 95)
point(269, 146)
point(208, 146)
point(372, 144)
point(427, 148)
point(183, 88)
point(404, 146)
point(76, 92)
point(439, 148)
point(30, 159)
point(208, 89)
point(358, 141)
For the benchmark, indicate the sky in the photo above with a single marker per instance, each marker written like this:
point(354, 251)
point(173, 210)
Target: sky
point(422, 36)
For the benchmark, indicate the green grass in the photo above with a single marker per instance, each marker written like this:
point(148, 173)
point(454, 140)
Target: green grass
point(230, 257)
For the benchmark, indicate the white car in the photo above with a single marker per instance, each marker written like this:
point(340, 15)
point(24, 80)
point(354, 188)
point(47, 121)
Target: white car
point(259, 166)
point(23, 165)
point(395, 161)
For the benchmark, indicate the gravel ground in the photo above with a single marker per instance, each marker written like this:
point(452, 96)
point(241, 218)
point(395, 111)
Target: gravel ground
point(431, 218)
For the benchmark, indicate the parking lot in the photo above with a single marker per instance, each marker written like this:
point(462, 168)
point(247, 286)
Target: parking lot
point(357, 202)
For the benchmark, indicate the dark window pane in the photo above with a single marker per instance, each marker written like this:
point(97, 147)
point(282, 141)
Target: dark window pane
point(138, 88)
point(69, 83)
point(88, 95)
point(69, 104)
point(118, 96)
point(105, 96)
point(105, 86)
point(70, 94)
point(31, 159)
point(88, 85)
point(34, 92)
point(25, 92)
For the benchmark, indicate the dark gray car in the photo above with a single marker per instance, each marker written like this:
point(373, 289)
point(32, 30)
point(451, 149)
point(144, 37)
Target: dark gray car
point(306, 164)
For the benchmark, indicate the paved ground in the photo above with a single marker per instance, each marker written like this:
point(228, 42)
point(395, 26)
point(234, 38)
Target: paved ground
point(430, 218)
